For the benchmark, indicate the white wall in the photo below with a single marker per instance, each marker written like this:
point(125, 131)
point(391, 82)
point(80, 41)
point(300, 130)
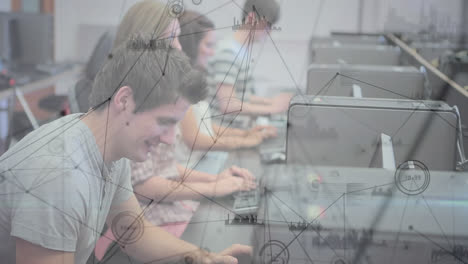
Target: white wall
point(78, 24)
point(5, 6)
point(296, 19)
point(414, 15)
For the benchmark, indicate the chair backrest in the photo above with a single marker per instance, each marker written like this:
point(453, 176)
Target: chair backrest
point(78, 96)
point(7, 106)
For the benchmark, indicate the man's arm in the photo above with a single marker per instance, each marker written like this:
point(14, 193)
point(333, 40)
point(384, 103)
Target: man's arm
point(156, 244)
point(29, 253)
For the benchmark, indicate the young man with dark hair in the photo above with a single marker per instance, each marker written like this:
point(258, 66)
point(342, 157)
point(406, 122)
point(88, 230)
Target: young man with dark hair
point(230, 81)
point(62, 182)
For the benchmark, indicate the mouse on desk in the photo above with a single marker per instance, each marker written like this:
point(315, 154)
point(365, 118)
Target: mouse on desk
point(273, 157)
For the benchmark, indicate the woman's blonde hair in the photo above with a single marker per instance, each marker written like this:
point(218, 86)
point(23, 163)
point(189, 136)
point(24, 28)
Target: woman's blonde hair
point(148, 19)
point(156, 76)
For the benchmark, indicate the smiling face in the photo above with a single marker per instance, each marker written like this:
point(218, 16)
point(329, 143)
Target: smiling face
point(206, 48)
point(149, 128)
point(142, 131)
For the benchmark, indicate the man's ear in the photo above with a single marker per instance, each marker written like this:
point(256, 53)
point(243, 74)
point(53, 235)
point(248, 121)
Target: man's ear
point(123, 98)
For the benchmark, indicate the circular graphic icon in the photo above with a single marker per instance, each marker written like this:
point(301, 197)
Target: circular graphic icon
point(338, 260)
point(412, 177)
point(127, 228)
point(196, 2)
point(176, 8)
point(275, 252)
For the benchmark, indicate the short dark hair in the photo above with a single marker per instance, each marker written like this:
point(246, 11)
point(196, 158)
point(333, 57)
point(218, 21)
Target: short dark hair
point(193, 26)
point(264, 8)
point(156, 76)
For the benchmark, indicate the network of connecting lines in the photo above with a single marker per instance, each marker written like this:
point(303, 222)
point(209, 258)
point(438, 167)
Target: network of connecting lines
point(278, 249)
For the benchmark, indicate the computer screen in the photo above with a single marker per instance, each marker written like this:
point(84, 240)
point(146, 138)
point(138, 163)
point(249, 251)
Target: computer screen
point(26, 38)
point(376, 81)
point(349, 39)
point(346, 131)
point(354, 54)
point(5, 40)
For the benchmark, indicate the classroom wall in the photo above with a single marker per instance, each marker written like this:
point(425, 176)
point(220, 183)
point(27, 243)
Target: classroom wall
point(296, 20)
point(5, 6)
point(78, 25)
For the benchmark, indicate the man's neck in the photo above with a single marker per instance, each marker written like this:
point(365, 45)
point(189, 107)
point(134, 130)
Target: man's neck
point(102, 132)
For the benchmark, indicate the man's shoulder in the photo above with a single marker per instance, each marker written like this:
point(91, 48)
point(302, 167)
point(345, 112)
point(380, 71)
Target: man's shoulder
point(50, 140)
point(53, 150)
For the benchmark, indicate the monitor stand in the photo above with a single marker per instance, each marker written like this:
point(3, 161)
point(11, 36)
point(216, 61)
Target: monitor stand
point(388, 155)
point(357, 91)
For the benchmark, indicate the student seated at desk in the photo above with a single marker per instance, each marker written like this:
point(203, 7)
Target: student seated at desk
point(65, 180)
point(171, 186)
point(198, 131)
point(230, 80)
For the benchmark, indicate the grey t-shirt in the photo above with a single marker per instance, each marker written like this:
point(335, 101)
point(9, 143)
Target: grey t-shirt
point(53, 190)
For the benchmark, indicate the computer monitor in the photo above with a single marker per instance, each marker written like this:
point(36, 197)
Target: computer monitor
point(349, 39)
point(376, 81)
point(346, 131)
point(35, 35)
point(26, 38)
point(5, 38)
point(354, 54)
